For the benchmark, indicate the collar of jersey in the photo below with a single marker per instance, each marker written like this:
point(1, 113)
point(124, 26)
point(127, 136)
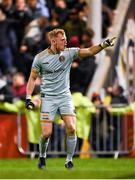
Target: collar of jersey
point(51, 51)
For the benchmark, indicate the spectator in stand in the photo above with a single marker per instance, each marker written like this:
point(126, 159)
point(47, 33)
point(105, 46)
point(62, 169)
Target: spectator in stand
point(45, 41)
point(118, 100)
point(37, 9)
point(100, 127)
point(107, 17)
point(33, 35)
point(85, 68)
point(19, 85)
point(87, 36)
point(74, 26)
point(108, 12)
point(89, 65)
point(83, 10)
point(32, 42)
point(75, 74)
point(60, 12)
point(8, 7)
point(54, 23)
point(50, 5)
point(117, 95)
point(22, 19)
point(6, 56)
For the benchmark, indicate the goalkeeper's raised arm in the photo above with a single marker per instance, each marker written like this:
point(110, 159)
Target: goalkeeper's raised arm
point(90, 51)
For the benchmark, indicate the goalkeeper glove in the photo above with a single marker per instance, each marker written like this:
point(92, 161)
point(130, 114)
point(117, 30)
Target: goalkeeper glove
point(108, 42)
point(28, 103)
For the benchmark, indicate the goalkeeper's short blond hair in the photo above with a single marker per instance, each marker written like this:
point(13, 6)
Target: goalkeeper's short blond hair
point(55, 32)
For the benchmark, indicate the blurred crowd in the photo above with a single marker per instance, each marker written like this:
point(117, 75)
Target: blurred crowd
point(24, 25)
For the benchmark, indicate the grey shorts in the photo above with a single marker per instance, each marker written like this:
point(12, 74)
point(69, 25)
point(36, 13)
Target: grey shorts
point(50, 105)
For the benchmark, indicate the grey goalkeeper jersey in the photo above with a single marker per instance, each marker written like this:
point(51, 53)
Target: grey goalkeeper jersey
point(54, 70)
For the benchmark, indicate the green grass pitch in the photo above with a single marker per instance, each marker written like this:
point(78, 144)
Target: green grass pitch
point(92, 168)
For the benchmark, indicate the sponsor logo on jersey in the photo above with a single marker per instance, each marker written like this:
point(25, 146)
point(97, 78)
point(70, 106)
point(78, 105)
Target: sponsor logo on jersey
point(45, 62)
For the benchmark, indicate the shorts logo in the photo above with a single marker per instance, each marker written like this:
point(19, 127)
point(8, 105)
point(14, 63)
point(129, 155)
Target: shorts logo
point(44, 116)
point(62, 58)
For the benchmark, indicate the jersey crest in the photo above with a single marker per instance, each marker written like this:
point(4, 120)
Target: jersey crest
point(62, 58)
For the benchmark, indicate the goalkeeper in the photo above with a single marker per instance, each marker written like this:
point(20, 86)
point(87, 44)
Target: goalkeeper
point(53, 65)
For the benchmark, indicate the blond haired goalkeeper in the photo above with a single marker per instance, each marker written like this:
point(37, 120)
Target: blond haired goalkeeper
point(53, 65)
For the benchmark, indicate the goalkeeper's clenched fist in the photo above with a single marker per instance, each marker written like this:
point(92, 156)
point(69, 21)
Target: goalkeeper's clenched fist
point(108, 42)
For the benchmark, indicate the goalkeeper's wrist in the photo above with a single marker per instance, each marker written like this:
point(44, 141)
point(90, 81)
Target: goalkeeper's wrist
point(28, 96)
